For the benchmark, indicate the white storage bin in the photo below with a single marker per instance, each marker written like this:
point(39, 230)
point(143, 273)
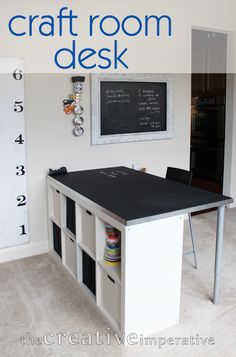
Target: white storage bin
point(56, 207)
point(70, 254)
point(88, 229)
point(111, 296)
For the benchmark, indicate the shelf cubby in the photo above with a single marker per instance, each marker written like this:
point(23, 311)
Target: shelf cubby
point(57, 246)
point(70, 254)
point(70, 215)
point(85, 230)
point(69, 233)
point(89, 272)
point(54, 205)
point(114, 271)
point(85, 248)
point(110, 297)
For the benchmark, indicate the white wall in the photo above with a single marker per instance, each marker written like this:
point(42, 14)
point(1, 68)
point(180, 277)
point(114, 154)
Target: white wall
point(52, 144)
point(229, 126)
point(230, 145)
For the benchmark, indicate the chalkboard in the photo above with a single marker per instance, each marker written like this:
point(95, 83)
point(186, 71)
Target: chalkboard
point(131, 194)
point(132, 107)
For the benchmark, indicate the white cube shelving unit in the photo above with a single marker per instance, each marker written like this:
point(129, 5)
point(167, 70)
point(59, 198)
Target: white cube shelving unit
point(142, 294)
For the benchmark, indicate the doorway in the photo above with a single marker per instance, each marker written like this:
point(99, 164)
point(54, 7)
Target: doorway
point(208, 100)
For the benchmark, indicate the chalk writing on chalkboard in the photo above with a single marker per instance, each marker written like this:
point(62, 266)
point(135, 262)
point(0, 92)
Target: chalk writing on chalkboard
point(132, 107)
point(113, 173)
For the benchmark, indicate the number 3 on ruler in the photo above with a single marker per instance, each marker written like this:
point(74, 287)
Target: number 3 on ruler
point(21, 170)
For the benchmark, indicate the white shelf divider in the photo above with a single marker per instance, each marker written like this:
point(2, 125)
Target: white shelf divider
point(78, 217)
point(63, 210)
point(55, 220)
point(113, 271)
point(87, 250)
point(69, 233)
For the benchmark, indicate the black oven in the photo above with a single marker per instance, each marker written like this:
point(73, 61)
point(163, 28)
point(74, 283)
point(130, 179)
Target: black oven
point(207, 137)
point(207, 118)
point(207, 161)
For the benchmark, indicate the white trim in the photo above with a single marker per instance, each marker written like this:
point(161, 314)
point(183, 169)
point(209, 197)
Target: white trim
point(23, 251)
point(96, 79)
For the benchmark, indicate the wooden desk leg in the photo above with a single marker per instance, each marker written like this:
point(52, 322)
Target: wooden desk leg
point(218, 253)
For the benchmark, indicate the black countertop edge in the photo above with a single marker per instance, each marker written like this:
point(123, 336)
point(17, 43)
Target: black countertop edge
point(142, 219)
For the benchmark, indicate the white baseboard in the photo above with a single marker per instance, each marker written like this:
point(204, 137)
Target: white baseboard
point(23, 251)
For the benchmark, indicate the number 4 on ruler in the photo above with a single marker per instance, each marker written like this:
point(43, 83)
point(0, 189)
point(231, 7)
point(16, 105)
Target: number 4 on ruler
point(19, 139)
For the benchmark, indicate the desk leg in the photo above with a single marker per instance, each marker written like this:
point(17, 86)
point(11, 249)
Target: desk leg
point(218, 253)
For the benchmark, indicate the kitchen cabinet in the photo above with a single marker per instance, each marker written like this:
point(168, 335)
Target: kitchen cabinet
point(208, 84)
point(209, 50)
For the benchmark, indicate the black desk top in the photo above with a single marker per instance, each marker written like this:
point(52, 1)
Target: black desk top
point(134, 196)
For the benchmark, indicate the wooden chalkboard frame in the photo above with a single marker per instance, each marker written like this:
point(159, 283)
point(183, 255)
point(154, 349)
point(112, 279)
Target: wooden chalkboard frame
point(96, 80)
